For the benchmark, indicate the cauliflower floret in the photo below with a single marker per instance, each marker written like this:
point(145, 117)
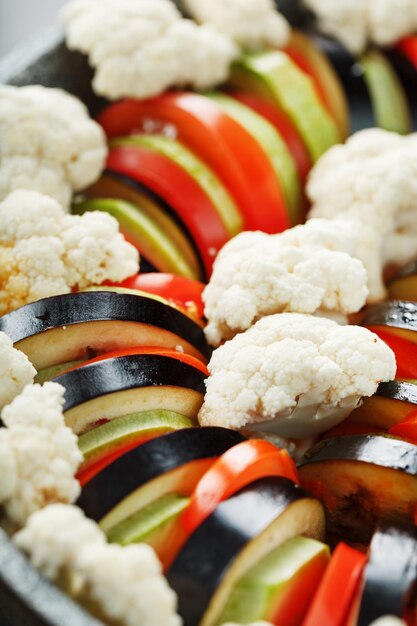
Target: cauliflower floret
point(141, 48)
point(48, 143)
point(257, 274)
point(359, 22)
point(55, 535)
point(45, 450)
point(16, 371)
point(45, 252)
point(127, 584)
point(253, 24)
point(124, 583)
point(371, 181)
point(296, 375)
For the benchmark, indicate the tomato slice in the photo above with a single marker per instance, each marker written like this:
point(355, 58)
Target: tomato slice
point(405, 352)
point(408, 47)
point(407, 428)
point(180, 190)
point(173, 354)
point(284, 125)
point(331, 604)
point(236, 468)
point(183, 292)
point(224, 145)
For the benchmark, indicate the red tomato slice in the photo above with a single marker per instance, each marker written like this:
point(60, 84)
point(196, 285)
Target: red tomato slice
point(408, 47)
point(180, 190)
point(183, 292)
point(331, 604)
point(280, 120)
point(236, 468)
point(173, 354)
point(405, 352)
point(407, 428)
point(224, 145)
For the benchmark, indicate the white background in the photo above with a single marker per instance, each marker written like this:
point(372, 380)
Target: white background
point(20, 18)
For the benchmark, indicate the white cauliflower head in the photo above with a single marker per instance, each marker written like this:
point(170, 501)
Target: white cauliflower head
point(48, 143)
point(45, 451)
point(257, 274)
point(294, 374)
point(16, 371)
point(358, 23)
point(54, 536)
point(140, 48)
point(371, 181)
point(253, 24)
point(45, 252)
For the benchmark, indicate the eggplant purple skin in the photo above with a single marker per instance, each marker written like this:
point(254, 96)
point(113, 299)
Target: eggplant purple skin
point(396, 390)
point(381, 450)
point(127, 372)
point(394, 313)
point(234, 523)
point(390, 573)
point(76, 308)
point(151, 460)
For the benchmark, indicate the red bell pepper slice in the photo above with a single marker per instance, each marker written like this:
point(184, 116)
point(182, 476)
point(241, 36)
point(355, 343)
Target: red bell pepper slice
point(284, 125)
point(184, 292)
point(224, 145)
point(173, 354)
point(337, 589)
point(405, 352)
point(180, 190)
point(235, 469)
point(408, 47)
point(407, 428)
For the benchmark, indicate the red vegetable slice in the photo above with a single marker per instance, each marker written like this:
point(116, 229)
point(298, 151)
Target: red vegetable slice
point(331, 604)
point(405, 351)
point(224, 145)
point(183, 292)
point(407, 428)
point(408, 47)
point(284, 125)
point(179, 189)
point(235, 469)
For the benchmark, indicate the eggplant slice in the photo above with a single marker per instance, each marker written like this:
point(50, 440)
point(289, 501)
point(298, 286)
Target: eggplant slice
point(242, 531)
point(167, 464)
point(362, 480)
point(390, 405)
point(75, 326)
point(400, 314)
point(390, 575)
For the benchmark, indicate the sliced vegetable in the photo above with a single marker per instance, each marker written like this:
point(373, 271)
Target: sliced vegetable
point(311, 60)
point(280, 587)
point(285, 127)
point(197, 169)
point(56, 370)
point(172, 463)
point(167, 247)
point(106, 443)
point(405, 351)
point(403, 285)
point(274, 147)
point(361, 480)
point(80, 325)
point(398, 317)
point(407, 428)
point(391, 404)
point(242, 530)
point(128, 384)
point(275, 76)
point(182, 291)
point(408, 47)
point(335, 594)
point(179, 189)
point(216, 138)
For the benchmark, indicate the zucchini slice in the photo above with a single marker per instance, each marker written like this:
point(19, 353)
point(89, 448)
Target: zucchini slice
point(242, 531)
point(361, 480)
point(76, 326)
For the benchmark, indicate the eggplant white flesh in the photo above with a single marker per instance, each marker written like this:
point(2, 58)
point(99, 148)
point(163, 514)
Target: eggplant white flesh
point(80, 325)
point(240, 533)
point(390, 574)
point(361, 480)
